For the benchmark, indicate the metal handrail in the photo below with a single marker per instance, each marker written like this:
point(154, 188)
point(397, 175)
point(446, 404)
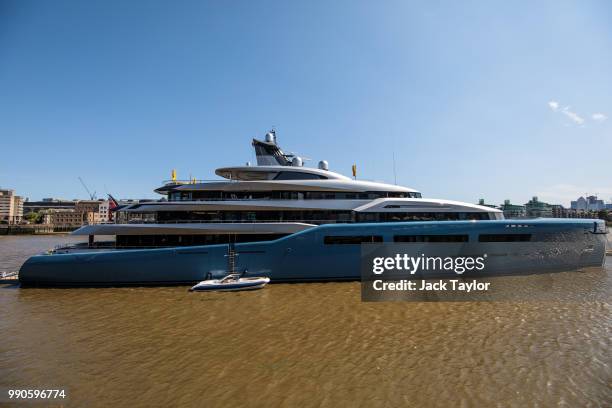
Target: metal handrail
point(266, 199)
point(274, 221)
point(196, 181)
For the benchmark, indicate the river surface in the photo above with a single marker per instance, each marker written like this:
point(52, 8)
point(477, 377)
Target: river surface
point(303, 345)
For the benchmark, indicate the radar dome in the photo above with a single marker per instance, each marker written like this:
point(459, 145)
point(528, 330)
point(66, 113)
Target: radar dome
point(324, 165)
point(270, 137)
point(297, 162)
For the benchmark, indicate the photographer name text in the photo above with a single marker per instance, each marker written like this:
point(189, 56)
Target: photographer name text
point(440, 285)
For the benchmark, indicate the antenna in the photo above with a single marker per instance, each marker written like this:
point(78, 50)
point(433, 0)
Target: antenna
point(394, 168)
point(394, 173)
point(91, 196)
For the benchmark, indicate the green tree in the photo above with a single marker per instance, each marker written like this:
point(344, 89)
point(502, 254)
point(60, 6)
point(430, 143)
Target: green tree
point(603, 215)
point(33, 217)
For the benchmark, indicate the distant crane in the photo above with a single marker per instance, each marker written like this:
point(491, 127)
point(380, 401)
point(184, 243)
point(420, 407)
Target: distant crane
point(91, 196)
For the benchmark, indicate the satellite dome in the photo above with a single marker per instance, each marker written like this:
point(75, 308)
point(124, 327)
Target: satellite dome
point(271, 137)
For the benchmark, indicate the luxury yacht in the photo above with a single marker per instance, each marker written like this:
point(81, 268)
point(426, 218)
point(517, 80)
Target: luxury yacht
point(289, 222)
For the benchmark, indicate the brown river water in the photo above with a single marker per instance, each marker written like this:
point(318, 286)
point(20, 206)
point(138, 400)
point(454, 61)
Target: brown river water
point(306, 345)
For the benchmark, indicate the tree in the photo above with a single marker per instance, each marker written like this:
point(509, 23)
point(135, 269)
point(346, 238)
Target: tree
point(33, 217)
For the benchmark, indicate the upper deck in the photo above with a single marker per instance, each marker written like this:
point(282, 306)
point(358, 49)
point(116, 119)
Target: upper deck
point(278, 172)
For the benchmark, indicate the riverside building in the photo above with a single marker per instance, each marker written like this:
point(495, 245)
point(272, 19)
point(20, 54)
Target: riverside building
point(513, 210)
point(11, 207)
point(538, 209)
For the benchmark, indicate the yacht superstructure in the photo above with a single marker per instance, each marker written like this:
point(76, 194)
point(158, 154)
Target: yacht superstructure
point(282, 209)
point(277, 197)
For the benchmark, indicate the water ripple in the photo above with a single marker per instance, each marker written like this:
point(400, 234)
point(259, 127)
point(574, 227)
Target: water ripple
point(307, 345)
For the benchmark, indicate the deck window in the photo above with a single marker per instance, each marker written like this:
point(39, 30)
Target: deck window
point(171, 240)
point(351, 239)
point(504, 237)
point(216, 195)
point(431, 238)
point(295, 175)
point(419, 216)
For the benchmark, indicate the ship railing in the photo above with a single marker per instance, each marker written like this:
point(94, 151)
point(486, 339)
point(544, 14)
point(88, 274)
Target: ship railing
point(80, 245)
point(274, 221)
point(256, 199)
point(195, 181)
point(228, 199)
point(65, 246)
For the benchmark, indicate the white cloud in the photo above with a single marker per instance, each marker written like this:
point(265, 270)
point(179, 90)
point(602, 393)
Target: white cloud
point(554, 105)
point(573, 116)
point(577, 119)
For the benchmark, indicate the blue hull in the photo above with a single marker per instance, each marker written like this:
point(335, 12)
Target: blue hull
point(558, 244)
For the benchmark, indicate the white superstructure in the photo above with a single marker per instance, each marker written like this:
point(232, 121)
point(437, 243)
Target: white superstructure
point(279, 196)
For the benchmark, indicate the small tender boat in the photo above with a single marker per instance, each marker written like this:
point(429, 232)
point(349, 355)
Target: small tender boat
point(232, 282)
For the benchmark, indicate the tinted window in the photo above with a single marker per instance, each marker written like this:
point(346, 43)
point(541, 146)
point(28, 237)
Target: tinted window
point(504, 237)
point(430, 238)
point(310, 216)
point(126, 241)
point(286, 195)
point(294, 175)
point(348, 240)
point(420, 216)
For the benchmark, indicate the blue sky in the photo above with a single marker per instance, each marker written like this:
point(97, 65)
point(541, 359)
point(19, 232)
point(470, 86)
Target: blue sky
point(477, 99)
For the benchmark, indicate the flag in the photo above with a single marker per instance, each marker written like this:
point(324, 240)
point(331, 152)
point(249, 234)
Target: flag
point(112, 204)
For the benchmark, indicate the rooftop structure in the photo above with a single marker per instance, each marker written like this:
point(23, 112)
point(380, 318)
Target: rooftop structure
point(536, 208)
point(482, 202)
point(513, 210)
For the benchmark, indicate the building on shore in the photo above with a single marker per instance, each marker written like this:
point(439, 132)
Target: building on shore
point(482, 202)
point(513, 210)
point(95, 218)
point(558, 211)
point(590, 203)
point(11, 207)
point(536, 209)
point(87, 206)
point(47, 204)
point(68, 213)
point(104, 212)
point(55, 212)
point(65, 218)
point(589, 207)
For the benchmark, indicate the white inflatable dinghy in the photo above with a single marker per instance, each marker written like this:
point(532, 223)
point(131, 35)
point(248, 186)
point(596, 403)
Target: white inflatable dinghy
point(232, 282)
